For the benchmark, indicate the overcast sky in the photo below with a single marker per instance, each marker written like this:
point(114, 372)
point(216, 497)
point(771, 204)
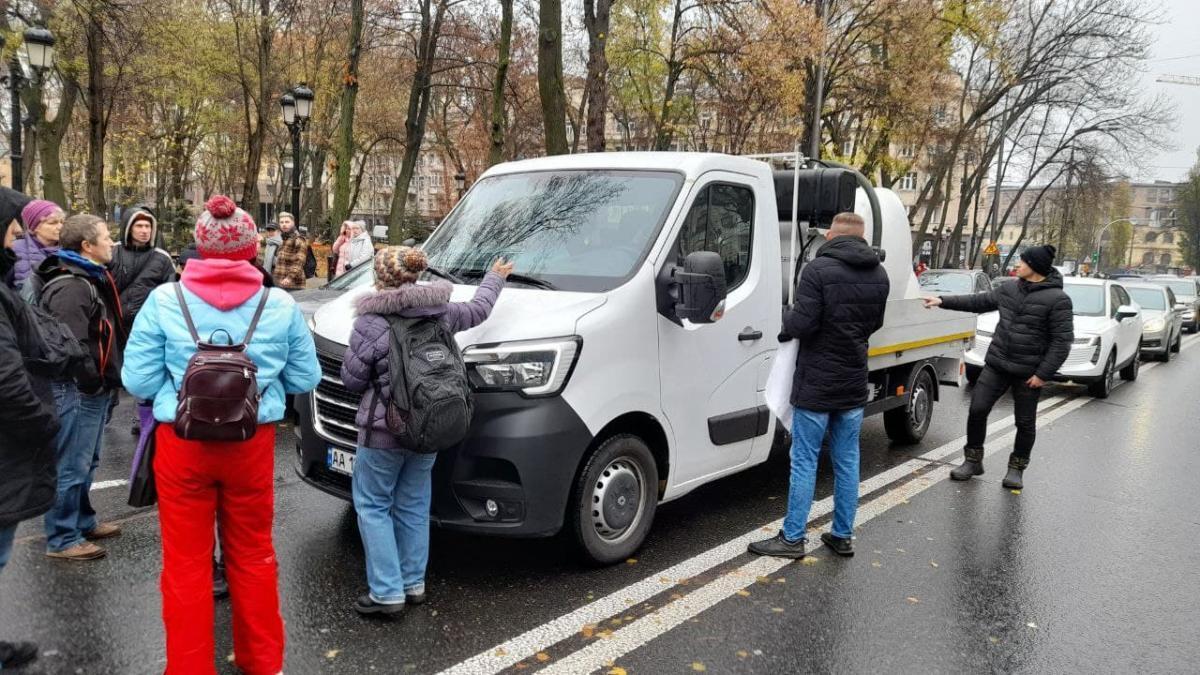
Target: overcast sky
point(1176, 51)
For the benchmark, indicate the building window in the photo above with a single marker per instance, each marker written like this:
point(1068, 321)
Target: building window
point(848, 149)
point(1148, 258)
point(907, 150)
point(1151, 237)
point(909, 181)
point(1168, 237)
point(1166, 260)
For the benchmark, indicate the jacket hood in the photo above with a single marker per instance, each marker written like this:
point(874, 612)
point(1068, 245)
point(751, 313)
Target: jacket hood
point(8, 260)
point(408, 296)
point(126, 227)
point(853, 251)
point(1052, 280)
point(224, 284)
point(11, 203)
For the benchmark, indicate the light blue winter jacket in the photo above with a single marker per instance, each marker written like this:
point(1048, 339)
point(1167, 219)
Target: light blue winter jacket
point(160, 346)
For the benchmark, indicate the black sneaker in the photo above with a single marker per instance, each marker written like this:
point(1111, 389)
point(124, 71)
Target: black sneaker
point(842, 547)
point(17, 654)
point(779, 547)
point(366, 605)
point(414, 598)
point(220, 585)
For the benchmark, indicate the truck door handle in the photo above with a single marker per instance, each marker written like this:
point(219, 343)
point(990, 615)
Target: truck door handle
point(749, 335)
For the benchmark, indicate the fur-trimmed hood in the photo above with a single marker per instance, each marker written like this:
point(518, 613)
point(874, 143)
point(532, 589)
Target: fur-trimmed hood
point(406, 297)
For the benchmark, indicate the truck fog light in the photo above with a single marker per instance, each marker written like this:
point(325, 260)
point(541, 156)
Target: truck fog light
point(492, 508)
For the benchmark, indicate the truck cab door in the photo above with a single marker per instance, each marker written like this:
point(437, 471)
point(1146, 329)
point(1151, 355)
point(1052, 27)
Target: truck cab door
point(711, 375)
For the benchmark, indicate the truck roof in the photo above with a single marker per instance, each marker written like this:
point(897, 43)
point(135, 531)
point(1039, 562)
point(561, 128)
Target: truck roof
point(690, 163)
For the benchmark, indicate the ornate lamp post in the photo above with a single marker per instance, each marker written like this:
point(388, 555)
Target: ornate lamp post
point(296, 106)
point(39, 50)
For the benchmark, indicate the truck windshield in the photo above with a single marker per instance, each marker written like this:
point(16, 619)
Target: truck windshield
point(576, 230)
point(1087, 300)
point(1149, 298)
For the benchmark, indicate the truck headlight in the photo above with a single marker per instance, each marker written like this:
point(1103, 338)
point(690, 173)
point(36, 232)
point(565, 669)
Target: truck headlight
point(537, 368)
point(1154, 325)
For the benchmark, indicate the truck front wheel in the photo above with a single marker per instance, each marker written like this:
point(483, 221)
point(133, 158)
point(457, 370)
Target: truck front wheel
point(909, 423)
point(614, 500)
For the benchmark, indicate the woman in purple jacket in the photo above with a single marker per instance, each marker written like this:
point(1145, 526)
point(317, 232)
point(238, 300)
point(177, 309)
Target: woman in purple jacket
point(392, 485)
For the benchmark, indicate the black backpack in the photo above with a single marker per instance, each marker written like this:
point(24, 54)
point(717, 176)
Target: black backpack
point(310, 263)
point(218, 397)
point(55, 351)
point(430, 405)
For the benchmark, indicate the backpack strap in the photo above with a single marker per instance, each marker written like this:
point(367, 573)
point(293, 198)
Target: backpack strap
point(262, 304)
point(187, 316)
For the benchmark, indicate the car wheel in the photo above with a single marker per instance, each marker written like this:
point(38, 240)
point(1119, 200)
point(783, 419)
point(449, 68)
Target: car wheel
point(908, 424)
point(613, 504)
point(1130, 372)
point(1103, 387)
point(1178, 346)
point(1165, 357)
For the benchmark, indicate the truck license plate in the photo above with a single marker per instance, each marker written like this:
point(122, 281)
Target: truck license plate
point(340, 461)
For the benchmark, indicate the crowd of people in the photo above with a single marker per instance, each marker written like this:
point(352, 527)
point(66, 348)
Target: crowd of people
point(84, 317)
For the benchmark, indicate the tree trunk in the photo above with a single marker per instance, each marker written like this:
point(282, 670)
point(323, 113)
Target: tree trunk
point(419, 97)
point(94, 39)
point(596, 19)
point(50, 134)
point(550, 76)
point(503, 57)
point(256, 124)
point(345, 144)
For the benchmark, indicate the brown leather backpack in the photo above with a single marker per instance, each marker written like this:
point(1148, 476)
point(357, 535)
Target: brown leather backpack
point(218, 399)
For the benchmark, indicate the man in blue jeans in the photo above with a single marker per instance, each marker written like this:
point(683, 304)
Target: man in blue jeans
point(839, 303)
point(78, 290)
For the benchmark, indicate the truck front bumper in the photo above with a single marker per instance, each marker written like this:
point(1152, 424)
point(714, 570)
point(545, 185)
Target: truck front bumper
point(512, 476)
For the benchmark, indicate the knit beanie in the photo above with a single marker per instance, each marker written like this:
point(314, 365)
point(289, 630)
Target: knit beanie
point(225, 231)
point(1040, 258)
point(35, 212)
point(398, 265)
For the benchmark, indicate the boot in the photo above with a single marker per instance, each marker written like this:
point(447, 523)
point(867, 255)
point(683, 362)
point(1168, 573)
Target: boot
point(220, 585)
point(972, 465)
point(1016, 467)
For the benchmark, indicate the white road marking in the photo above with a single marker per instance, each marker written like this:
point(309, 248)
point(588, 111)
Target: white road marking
point(537, 639)
point(108, 484)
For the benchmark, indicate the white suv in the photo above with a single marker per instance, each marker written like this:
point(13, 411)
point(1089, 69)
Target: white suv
point(1108, 336)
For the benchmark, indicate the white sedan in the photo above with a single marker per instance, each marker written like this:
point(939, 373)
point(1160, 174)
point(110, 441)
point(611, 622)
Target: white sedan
point(1108, 336)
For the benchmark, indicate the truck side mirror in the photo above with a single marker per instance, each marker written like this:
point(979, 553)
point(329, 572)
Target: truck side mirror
point(702, 289)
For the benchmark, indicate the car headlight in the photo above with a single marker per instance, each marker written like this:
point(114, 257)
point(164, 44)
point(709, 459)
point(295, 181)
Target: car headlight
point(1087, 341)
point(538, 368)
point(1154, 325)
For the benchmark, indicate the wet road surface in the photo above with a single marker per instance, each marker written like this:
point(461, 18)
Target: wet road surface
point(1090, 568)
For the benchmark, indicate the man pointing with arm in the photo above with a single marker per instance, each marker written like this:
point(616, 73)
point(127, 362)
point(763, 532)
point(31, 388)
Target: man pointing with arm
point(1032, 340)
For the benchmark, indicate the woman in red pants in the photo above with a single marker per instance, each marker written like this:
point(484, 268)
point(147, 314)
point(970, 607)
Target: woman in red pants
point(228, 483)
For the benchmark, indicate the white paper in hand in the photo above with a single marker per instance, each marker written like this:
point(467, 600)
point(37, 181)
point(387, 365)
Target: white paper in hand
point(779, 382)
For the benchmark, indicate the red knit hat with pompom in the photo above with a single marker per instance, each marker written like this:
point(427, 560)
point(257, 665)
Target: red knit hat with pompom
point(225, 231)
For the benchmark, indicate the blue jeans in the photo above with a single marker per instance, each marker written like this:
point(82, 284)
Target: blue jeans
point(392, 491)
point(7, 534)
point(808, 431)
point(78, 448)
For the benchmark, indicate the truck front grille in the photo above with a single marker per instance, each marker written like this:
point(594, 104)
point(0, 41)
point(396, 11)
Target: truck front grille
point(335, 406)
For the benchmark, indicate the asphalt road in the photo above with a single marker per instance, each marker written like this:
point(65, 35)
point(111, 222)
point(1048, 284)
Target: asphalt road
point(1090, 568)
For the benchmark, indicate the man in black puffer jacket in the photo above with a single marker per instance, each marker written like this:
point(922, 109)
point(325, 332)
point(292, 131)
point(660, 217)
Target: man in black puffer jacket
point(839, 303)
point(29, 424)
point(1031, 342)
point(139, 263)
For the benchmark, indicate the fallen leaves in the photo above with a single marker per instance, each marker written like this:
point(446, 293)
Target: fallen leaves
point(913, 599)
point(744, 593)
point(501, 651)
point(616, 670)
point(698, 667)
point(933, 564)
point(631, 561)
point(542, 657)
point(743, 654)
point(777, 610)
point(1031, 625)
point(588, 630)
point(876, 563)
point(1015, 492)
point(332, 653)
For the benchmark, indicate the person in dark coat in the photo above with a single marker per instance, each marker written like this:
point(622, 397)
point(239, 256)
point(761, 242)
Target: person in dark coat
point(392, 484)
point(27, 416)
point(1031, 342)
point(78, 290)
point(840, 302)
point(139, 263)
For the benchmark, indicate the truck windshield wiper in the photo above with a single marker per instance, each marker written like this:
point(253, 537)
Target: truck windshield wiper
point(443, 274)
point(532, 281)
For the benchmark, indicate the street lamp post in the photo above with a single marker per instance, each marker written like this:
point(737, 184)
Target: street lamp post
point(296, 106)
point(39, 50)
point(460, 182)
point(1100, 239)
